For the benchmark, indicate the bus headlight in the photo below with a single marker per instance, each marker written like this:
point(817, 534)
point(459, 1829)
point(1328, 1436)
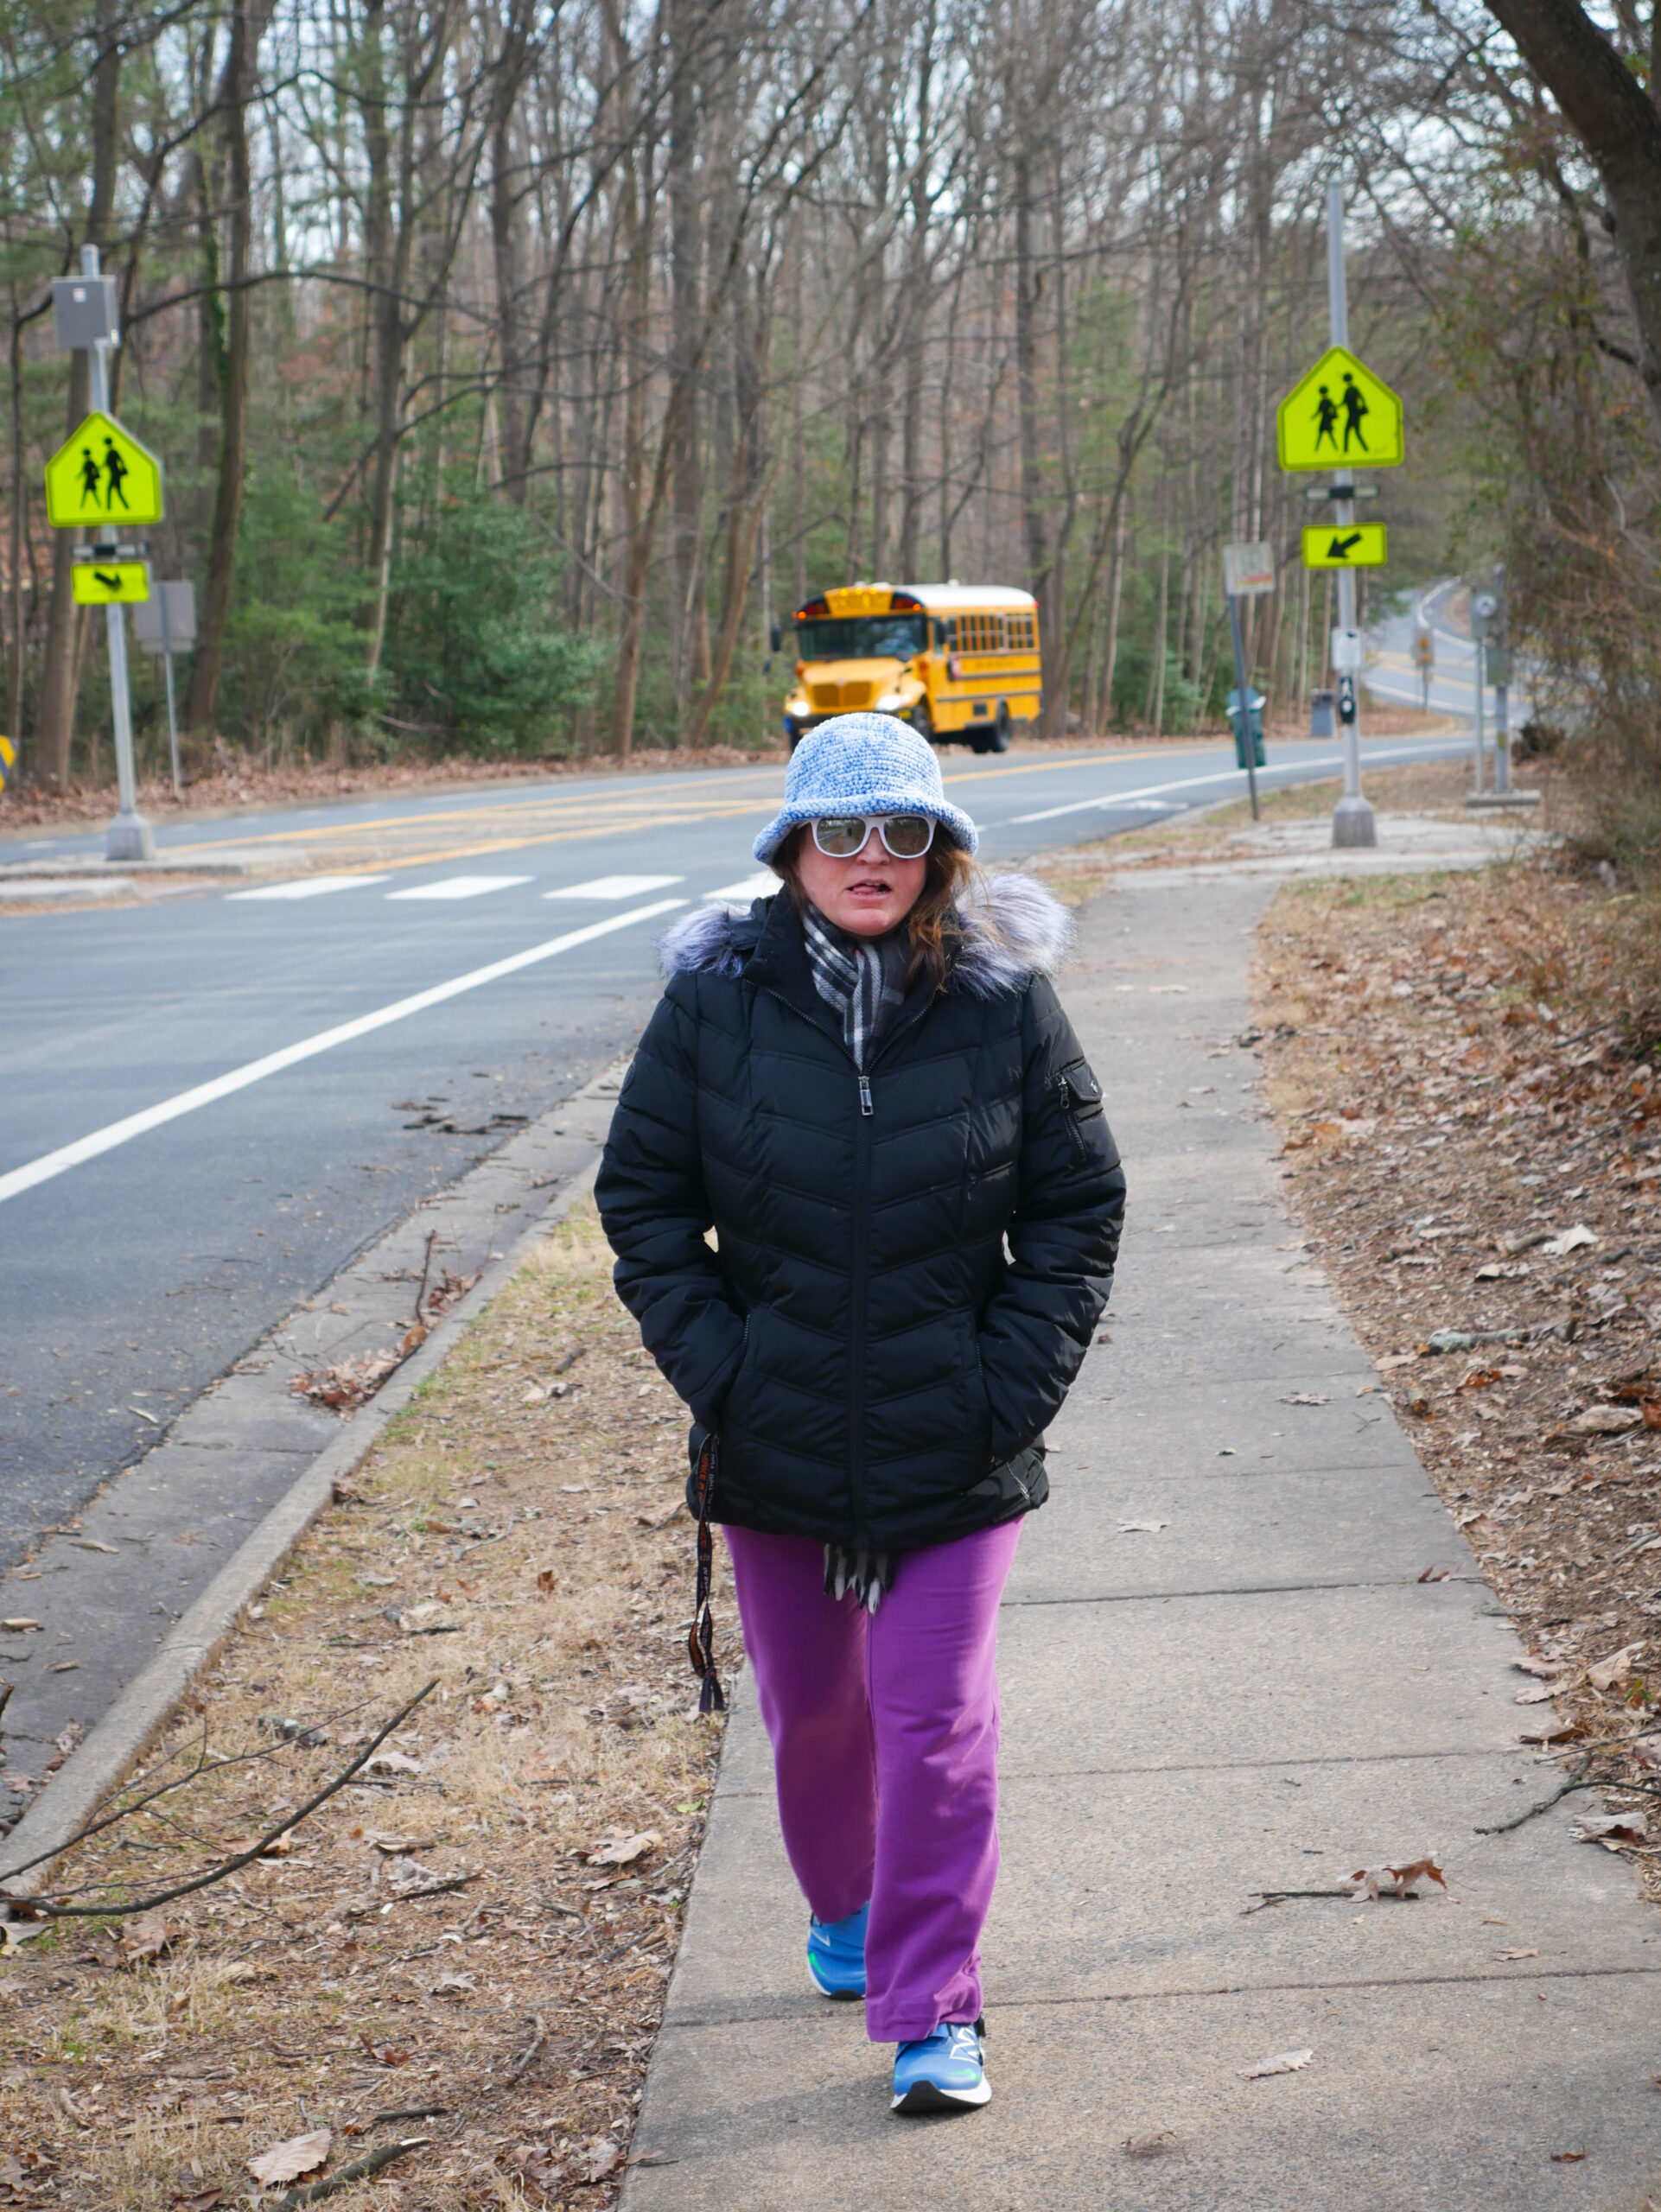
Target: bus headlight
point(888, 703)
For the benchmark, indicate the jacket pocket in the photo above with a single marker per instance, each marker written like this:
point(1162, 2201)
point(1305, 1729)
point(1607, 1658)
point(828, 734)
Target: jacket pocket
point(740, 1392)
point(1081, 1102)
point(978, 1406)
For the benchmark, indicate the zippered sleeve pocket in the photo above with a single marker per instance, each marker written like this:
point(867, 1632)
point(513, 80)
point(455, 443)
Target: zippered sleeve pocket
point(1081, 1102)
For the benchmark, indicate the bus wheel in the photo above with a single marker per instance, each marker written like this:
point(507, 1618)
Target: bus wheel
point(1002, 729)
point(982, 739)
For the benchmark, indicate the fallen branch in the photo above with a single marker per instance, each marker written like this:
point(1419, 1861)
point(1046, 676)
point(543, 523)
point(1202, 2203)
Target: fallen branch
point(1603, 1782)
point(53, 1911)
point(1279, 1896)
point(523, 2061)
point(359, 2170)
point(407, 2112)
point(426, 1270)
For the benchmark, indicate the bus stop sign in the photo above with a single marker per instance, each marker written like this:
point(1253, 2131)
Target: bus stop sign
point(1340, 415)
point(103, 476)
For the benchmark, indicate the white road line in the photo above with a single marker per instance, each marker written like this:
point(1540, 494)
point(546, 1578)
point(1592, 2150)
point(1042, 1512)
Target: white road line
point(205, 1094)
point(1296, 769)
point(753, 886)
point(460, 886)
point(615, 886)
point(310, 887)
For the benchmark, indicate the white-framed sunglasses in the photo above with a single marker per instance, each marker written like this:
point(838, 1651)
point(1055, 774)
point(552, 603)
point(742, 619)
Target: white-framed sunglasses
point(840, 836)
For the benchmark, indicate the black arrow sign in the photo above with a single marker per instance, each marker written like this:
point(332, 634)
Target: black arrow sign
point(1340, 546)
point(103, 576)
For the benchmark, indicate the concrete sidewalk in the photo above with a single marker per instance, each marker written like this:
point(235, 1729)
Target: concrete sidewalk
point(1259, 1693)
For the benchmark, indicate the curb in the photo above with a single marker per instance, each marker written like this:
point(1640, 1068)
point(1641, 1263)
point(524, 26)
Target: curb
point(76, 1793)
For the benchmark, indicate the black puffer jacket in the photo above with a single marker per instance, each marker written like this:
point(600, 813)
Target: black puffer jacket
point(878, 1370)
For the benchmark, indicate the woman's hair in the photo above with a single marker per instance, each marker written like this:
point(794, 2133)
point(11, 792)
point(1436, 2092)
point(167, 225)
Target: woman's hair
point(933, 923)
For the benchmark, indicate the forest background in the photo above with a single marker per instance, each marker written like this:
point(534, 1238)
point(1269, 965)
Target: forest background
point(516, 362)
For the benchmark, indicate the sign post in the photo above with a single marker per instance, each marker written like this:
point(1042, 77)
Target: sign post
point(1247, 571)
point(1339, 415)
point(1424, 652)
point(1483, 607)
point(167, 624)
point(104, 477)
point(1499, 676)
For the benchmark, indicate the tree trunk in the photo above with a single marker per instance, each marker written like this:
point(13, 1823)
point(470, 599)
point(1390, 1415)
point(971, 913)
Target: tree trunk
point(1032, 484)
point(236, 89)
point(1616, 123)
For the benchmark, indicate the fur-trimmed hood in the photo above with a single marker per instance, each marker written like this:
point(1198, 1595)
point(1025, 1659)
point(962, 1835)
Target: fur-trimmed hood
point(1012, 928)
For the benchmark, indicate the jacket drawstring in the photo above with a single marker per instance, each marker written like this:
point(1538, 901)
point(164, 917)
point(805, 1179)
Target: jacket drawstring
point(700, 1642)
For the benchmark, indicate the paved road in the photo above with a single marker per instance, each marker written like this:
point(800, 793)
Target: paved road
point(1393, 674)
point(211, 1104)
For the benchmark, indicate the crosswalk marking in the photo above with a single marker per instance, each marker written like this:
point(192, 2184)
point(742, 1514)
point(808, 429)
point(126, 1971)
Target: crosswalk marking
point(310, 887)
point(753, 886)
point(460, 886)
point(615, 886)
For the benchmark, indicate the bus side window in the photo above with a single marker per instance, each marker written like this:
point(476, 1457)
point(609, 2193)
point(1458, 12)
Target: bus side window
point(942, 634)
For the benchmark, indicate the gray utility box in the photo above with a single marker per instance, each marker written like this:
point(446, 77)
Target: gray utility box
point(1320, 713)
point(86, 309)
point(166, 621)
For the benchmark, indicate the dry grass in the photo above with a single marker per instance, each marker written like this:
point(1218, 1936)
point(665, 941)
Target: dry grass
point(1452, 1062)
point(307, 1990)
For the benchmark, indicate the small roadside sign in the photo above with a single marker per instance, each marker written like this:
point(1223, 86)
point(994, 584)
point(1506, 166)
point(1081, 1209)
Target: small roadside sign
point(167, 621)
point(1346, 545)
point(109, 583)
point(1339, 415)
point(1424, 648)
point(8, 759)
point(1247, 569)
point(103, 475)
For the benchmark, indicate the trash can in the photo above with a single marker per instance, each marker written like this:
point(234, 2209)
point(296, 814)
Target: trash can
point(1320, 713)
point(1256, 718)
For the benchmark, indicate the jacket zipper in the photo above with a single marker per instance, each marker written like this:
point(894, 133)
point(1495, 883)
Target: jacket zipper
point(857, 1312)
point(1070, 1115)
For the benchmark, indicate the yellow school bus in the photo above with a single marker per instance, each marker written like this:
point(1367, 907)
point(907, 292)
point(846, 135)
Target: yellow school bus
point(958, 662)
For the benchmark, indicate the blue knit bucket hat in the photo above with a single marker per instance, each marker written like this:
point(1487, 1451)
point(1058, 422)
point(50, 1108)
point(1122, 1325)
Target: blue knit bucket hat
point(863, 764)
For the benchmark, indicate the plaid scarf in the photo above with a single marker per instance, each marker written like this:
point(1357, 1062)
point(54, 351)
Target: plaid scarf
point(864, 977)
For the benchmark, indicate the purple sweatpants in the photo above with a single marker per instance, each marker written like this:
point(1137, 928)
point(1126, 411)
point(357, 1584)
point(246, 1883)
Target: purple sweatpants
point(885, 1740)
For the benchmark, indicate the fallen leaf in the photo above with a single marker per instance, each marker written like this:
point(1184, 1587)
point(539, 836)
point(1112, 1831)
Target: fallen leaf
point(553, 1761)
point(596, 2160)
point(1394, 1359)
point(392, 1762)
point(1141, 1528)
point(1420, 1870)
point(1531, 1665)
point(302, 2154)
point(1521, 1952)
point(1542, 1694)
point(1548, 1729)
point(1572, 1240)
point(453, 1985)
point(1303, 1398)
point(617, 1850)
point(205, 2200)
point(1615, 1668)
point(1567, 2157)
point(547, 1581)
point(384, 2054)
point(279, 1846)
point(1611, 1828)
point(1151, 2147)
point(18, 1627)
point(146, 1938)
point(1503, 1271)
point(1604, 1421)
point(662, 1516)
point(1434, 1575)
point(1287, 2062)
point(1158, 990)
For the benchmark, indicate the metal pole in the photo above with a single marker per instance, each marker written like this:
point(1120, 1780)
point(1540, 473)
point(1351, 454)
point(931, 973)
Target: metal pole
point(167, 676)
point(1502, 691)
point(1353, 818)
point(1242, 693)
point(129, 836)
point(1476, 672)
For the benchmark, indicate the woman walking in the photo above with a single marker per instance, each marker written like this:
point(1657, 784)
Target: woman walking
point(869, 1089)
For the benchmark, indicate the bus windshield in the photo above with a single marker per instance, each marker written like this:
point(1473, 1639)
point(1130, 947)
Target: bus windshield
point(863, 637)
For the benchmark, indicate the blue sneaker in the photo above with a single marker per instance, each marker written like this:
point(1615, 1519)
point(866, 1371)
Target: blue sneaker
point(835, 1955)
point(942, 2073)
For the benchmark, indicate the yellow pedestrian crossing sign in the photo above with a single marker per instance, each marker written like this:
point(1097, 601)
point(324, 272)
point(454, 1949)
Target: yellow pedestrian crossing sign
point(1340, 415)
point(103, 475)
point(109, 583)
point(8, 759)
point(1346, 545)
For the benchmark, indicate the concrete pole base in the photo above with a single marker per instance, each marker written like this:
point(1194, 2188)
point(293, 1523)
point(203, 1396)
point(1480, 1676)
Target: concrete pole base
point(130, 837)
point(1353, 822)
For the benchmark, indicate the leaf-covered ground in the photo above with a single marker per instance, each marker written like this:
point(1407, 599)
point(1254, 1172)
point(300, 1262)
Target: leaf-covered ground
point(515, 1537)
point(1473, 1144)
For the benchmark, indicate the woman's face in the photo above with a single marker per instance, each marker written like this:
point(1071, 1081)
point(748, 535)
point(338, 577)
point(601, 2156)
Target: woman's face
point(867, 894)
